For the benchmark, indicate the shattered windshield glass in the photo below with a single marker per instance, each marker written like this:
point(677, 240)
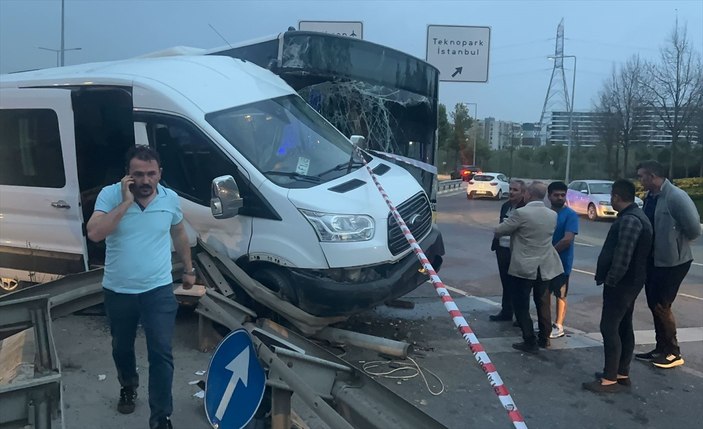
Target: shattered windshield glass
point(287, 140)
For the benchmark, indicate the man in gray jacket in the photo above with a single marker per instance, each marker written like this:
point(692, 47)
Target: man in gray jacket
point(676, 223)
point(533, 263)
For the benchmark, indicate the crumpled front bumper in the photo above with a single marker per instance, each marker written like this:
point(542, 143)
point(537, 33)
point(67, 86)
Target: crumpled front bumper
point(324, 296)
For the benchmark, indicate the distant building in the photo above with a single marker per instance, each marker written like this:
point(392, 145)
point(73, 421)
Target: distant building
point(584, 124)
point(649, 129)
point(498, 134)
point(529, 135)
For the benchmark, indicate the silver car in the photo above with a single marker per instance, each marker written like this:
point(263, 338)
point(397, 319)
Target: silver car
point(592, 198)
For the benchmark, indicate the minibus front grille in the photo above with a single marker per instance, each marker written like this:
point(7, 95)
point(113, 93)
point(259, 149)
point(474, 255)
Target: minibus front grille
point(417, 214)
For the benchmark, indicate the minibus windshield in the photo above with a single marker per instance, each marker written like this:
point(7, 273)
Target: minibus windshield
point(287, 141)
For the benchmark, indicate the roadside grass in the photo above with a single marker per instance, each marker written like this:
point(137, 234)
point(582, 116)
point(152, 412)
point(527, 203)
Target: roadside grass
point(699, 205)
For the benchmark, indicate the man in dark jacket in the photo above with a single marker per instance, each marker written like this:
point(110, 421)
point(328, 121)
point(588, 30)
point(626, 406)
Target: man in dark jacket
point(501, 245)
point(621, 270)
point(676, 223)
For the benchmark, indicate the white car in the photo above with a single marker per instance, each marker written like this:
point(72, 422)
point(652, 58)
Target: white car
point(488, 185)
point(592, 198)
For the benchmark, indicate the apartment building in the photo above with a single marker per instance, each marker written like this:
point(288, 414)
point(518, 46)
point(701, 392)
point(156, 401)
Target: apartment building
point(649, 129)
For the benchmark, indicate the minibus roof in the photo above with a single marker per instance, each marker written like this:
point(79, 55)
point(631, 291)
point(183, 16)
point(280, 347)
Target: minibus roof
point(211, 82)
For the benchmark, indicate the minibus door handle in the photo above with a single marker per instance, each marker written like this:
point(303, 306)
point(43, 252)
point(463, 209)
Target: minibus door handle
point(61, 204)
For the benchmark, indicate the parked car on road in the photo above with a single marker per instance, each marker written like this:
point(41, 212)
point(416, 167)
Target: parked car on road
point(488, 185)
point(592, 198)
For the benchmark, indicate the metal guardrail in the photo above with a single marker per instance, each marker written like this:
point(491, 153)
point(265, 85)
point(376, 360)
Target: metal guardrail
point(342, 396)
point(31, 402)
point(448, 185)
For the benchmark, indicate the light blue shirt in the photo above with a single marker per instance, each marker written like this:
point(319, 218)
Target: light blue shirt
point(138, 255)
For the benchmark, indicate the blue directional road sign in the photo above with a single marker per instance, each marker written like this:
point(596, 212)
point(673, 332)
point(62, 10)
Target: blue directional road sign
point(235, 382)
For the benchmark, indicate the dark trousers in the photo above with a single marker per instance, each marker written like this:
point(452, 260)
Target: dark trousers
point(616, 328)
point(156, 310)
point(661, 287)
point(506, 280)
point(521, 305)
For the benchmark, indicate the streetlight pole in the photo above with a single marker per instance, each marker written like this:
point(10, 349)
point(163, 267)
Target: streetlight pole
point(475, 119)
point(59, 53)
point(571, 117)
point(62, 32)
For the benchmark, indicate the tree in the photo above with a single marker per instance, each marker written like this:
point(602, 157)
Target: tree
point(675, 86)
point(462, 123)
point(608, 130)
point(444, 130)
point(623, 102)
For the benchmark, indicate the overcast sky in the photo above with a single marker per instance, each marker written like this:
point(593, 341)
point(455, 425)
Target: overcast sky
point(600, 33)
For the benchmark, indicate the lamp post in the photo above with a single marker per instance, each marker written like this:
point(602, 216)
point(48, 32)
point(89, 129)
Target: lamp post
point(475, 119)
point(62, 50)
point(59, 53)
point(571, 117)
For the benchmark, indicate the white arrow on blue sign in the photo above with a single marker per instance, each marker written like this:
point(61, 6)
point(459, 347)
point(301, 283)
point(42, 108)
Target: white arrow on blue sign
point(235, 382)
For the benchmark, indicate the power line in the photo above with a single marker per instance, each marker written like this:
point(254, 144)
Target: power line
point(522, 72)
point(615, 45)
point(517, 60)
point(532, 42)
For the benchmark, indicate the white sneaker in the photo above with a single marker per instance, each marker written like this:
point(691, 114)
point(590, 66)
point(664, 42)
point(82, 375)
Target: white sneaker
point(557, 331)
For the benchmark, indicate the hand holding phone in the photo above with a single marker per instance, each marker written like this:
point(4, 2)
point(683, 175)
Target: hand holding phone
point(128, 188)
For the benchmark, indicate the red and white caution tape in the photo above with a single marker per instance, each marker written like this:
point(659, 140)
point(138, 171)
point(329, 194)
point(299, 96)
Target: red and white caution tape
point(476, 348)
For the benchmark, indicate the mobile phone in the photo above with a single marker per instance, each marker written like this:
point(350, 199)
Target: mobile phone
point(132, 187)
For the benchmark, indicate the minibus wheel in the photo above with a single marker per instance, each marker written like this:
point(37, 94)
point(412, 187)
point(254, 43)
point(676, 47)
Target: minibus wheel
point(278, 281)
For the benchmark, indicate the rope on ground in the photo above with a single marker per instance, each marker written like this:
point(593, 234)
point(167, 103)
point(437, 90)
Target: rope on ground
point(399, 366)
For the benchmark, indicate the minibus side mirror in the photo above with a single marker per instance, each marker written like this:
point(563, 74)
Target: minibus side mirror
point(225, 201)
point(358, 141)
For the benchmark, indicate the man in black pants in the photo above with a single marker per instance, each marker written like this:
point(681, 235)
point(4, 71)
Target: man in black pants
point(533, 263)
point(621, 269)
point(501, 245)
point(676, 223)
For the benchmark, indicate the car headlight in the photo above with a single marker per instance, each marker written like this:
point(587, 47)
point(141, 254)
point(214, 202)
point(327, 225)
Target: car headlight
point(604, 203)
point(340, 227)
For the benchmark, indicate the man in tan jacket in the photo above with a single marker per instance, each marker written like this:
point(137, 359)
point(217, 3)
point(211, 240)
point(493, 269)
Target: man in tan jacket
point(533, 263)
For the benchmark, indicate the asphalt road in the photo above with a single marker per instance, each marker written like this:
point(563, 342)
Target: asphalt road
point(546, 387)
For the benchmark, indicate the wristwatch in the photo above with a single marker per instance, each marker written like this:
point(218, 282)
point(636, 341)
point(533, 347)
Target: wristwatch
point(191, 272)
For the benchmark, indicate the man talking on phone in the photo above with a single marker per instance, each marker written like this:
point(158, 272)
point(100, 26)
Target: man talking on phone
point(138, 218)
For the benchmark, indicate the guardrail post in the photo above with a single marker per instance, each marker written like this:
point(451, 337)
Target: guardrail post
point(280, 407)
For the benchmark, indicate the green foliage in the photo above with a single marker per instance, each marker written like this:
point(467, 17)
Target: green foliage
point(444, 128)
point(549, 162)
point(692, 185)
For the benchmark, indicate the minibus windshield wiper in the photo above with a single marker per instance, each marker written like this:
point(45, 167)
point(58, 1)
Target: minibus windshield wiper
point(294, 175)
point(341, 166)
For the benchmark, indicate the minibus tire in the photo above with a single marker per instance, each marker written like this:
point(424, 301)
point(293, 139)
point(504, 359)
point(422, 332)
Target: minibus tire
point(278, 281)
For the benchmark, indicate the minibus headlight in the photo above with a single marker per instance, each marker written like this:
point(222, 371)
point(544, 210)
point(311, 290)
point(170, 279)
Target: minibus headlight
point(340, 227)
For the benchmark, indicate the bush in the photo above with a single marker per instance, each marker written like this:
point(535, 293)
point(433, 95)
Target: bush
point(692, 185)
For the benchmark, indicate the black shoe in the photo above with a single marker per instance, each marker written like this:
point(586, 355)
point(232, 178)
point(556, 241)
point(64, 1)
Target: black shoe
point(500, 317)
point(127, 397)
point(668, 361)
point(526, 347)
point(649, 356)
point(621, 381)
point(544, 343)
point(596, 386)
point(164, 424)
